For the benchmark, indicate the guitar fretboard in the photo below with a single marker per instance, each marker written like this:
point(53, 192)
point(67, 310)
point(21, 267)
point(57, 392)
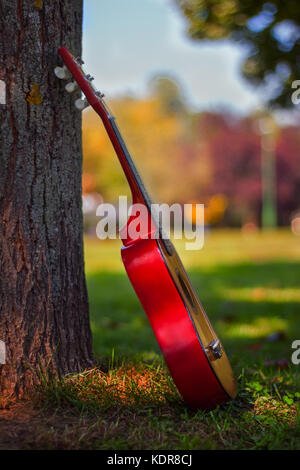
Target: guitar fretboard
point(148, 202)
point(130, 163)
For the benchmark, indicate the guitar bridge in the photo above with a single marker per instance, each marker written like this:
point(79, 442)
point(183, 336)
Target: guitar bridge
point(214, 350)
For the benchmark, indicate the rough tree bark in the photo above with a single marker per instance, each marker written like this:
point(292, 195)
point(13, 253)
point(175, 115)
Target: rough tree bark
point(44, 318)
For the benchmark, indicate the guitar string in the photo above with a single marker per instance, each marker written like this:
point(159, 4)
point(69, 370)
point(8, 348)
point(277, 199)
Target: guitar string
point(151, 208)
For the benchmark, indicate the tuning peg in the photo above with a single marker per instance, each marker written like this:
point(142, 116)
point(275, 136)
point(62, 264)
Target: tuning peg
point(62, 73)
point(89, 78)
point(78, 61)
point(81, 104)
point(71, 87)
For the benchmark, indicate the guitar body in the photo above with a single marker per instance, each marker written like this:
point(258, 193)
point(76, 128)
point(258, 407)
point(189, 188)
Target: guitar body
point(191, 348)
point(165, 297)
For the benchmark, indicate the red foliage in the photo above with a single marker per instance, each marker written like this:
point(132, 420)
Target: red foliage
point(235, 150)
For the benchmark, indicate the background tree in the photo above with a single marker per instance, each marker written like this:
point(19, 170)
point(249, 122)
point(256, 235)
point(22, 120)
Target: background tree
point(43, 299)
point(270, 32)
point(169, 94)
point(161, 134)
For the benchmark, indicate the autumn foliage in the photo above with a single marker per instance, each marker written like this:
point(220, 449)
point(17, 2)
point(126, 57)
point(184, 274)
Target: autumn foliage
point(184, 156)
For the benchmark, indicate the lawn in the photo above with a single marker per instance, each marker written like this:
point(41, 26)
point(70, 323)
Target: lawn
point(249, 286)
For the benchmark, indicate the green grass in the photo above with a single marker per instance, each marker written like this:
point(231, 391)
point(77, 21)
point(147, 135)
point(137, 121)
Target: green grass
point(249, 286)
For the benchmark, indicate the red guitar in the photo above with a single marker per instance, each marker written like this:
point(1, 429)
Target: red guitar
point(192, 350)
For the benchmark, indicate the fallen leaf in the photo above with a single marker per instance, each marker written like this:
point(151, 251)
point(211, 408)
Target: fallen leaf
point(38, 3)
point(34, 96)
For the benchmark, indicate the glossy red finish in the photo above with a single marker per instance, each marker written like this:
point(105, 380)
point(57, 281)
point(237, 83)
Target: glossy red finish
point(172, 326)
point(155, 287)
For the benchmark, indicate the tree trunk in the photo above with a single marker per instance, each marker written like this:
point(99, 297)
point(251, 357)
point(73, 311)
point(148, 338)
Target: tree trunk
point(44, 320)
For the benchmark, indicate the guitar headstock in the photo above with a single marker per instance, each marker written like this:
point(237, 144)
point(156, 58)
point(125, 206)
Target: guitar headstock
point(76, 77)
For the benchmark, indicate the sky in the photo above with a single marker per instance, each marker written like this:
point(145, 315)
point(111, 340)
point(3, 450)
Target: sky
point(127, 42)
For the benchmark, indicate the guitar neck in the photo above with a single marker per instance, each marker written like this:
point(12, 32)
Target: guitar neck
point(95, 99)
point(138, 190)
point(139, 193)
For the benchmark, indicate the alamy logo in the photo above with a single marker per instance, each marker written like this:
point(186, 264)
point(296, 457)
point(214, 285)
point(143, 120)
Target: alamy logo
point(163, 215)
point(296, 354)
point(296, 94)
point(2, 352)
